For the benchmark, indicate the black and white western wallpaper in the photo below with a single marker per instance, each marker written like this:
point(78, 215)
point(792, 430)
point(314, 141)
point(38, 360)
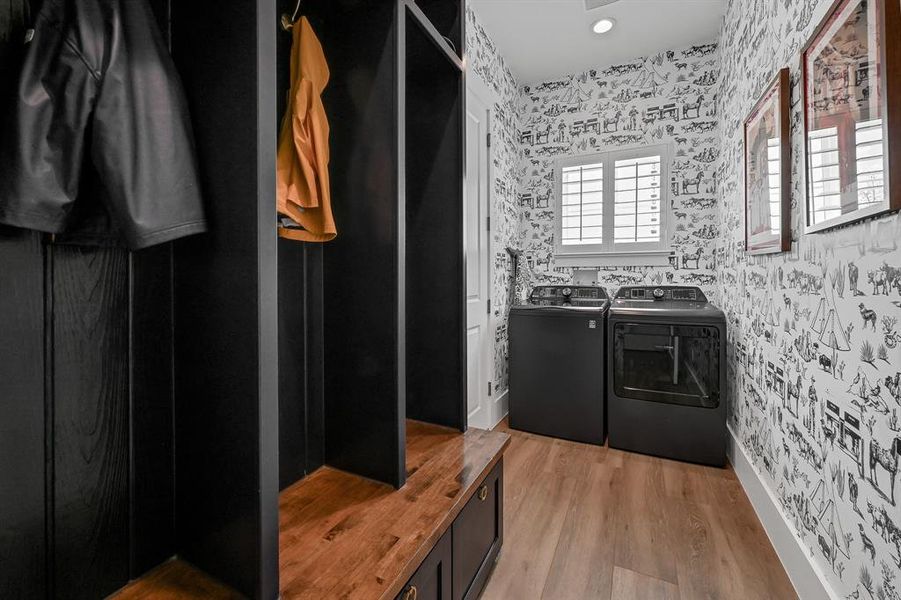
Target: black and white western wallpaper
point(668, 98)
point(814, 335)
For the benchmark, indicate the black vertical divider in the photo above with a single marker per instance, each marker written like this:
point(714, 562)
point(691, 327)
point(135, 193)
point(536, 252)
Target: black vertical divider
point(363, 398)
point(151, 394)
point(23, 551)
point(226, 402)
point(151, 419)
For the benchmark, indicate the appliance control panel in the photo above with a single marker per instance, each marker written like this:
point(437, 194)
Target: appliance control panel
point(573, 295)
point(658, 293)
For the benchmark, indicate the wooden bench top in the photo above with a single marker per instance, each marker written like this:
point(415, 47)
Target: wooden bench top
point(342, 536)
point(176, 580)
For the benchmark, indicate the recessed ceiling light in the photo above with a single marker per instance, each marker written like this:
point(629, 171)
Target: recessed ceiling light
point(603, 26)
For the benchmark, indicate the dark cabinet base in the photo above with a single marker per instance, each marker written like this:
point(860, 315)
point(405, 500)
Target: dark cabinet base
point(432, 580)
point(460, 564)
point(478, 533)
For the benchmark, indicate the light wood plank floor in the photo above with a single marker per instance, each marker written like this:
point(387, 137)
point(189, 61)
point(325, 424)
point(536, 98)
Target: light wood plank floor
point(585, 522)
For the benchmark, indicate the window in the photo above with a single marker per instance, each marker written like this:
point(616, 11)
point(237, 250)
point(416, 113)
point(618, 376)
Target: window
point(824, 174)
point(637, 205)
point(867, 174)
point(612, 208)
point(869, 150)
point(583, 205)
point(775, 184)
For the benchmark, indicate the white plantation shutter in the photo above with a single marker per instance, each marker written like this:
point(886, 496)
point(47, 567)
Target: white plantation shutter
point(870, 163)
point(638, 200)
point(825, 178)
point(864, 180)
point(774, 184)
point(583, 205)
point(613, 203)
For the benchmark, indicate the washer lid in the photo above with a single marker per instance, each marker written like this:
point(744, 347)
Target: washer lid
point(560, 310)
point(661, 293)
point(665, 302)
point(569, 295)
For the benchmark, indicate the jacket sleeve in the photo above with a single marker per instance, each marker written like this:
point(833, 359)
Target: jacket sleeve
point(143, 146)
point(43, 134)
point(305, 143)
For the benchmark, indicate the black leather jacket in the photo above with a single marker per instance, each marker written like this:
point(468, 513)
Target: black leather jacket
point(97, 142)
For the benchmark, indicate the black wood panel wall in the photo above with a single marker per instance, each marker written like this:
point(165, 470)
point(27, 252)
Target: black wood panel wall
point(89, 356)
point(85, 411)
point(300, 306)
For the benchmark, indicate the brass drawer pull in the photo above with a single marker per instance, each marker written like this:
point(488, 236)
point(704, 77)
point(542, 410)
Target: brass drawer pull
point(483, 493)
point(411, 593)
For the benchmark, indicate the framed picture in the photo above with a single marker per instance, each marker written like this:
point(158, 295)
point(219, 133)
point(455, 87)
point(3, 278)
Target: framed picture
point(851, 73)
point(768, 171)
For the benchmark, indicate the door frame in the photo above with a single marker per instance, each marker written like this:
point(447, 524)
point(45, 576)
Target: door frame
point(477, 86)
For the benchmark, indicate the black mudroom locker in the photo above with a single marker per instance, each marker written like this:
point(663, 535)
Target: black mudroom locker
point(154, 403)
point(131, 430)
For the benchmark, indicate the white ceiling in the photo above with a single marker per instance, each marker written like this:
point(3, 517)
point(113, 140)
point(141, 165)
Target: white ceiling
point(547, 39)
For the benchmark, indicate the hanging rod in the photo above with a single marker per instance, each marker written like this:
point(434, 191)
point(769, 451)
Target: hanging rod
point(288, 21)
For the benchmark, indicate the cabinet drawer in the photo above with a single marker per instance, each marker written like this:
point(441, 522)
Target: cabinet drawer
point(432, 580)
point(477, 536)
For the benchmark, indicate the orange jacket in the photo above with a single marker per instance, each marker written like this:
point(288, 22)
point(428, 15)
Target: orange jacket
point(303, 148)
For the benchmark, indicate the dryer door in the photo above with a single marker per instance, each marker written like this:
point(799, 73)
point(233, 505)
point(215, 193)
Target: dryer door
point(674, 364)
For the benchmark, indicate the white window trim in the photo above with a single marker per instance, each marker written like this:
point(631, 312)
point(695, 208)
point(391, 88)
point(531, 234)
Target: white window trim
point(647, 254)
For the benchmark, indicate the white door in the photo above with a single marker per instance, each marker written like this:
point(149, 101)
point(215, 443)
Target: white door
point(478, 305)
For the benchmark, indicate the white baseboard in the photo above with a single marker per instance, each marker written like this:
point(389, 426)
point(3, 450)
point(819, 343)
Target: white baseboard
point(500, 408)
point(805, 575)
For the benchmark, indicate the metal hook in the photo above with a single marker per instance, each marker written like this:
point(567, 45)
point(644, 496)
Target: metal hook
point(288, 22)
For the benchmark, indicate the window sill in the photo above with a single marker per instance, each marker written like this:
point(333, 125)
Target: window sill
point(642, 258)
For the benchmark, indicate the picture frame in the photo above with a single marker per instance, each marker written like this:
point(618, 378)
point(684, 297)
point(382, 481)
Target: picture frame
point(767, 158)
point(851, 90)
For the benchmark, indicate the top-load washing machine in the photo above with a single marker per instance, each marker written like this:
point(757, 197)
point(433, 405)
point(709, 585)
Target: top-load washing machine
point(667, 374)
point(557, 363)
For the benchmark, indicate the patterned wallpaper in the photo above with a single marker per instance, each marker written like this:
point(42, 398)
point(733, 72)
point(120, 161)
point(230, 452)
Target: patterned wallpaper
point(668, 98)
point(485, 59)
point(814, 336)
